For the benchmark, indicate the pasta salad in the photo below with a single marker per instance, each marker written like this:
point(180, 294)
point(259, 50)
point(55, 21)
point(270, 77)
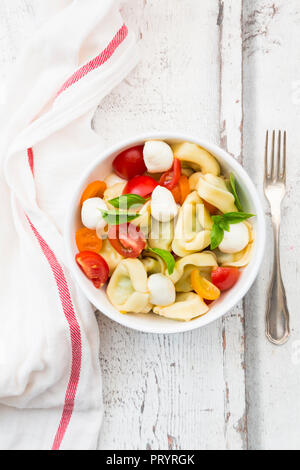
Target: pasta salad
point(165, 232)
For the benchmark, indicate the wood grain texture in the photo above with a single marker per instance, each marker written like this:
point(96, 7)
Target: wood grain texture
point(165, 392)
point(231, 139)
point(197, 399)
point(271, 94)
point(224, 70)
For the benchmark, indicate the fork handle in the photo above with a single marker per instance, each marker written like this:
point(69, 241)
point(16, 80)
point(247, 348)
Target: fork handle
point(277, 314)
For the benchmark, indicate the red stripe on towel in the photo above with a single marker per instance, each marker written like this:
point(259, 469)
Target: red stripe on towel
point(97, 61)
point(75, 335)
point(30, 159)
point(56, 268)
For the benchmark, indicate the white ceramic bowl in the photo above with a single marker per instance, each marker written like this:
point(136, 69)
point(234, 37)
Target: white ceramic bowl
point(151, 323)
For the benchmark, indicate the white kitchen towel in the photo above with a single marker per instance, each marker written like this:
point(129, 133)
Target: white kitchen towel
point(50, 381)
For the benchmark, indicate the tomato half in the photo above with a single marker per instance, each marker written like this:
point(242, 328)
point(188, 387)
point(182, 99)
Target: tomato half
point(181, 190)
point(93, 266)
point(94, 189)
point(127, 240)
point(204, 288)
point(141, 185)
point(87, 240)
point(176, 194)
point(130, 163)
point(225, 278)
point(170, 178)
point(184, 186)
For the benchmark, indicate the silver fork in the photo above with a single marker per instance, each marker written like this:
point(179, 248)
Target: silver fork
point(277, 314)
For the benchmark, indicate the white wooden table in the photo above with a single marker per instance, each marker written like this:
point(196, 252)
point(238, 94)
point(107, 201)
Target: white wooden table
point(223, 70)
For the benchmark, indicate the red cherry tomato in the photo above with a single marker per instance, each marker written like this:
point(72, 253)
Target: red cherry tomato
point(170, 178)
point(130, 163)
point(94, 267)
point(127, 240)
point(141, 185)
point(224, 278)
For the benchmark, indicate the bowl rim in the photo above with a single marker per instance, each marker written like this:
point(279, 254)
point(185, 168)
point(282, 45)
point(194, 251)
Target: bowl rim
point(124, 320)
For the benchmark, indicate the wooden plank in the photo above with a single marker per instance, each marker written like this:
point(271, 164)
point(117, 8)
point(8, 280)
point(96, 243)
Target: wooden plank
point(179, 391)
point(161, 392)
point(185, 391)
point(165, 392)
point(231, 125)
point(272, 72)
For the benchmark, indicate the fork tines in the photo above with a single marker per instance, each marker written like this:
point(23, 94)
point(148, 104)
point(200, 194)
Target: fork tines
point(275, 168)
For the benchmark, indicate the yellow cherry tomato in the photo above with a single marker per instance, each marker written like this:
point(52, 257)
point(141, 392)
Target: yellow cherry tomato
point(204, 288)
point(94, 189)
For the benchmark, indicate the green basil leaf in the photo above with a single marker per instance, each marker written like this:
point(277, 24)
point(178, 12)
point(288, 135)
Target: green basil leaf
point(224, 225)
point(127, 200)
point(216, 236)
point(221, 222)
point(167, 257)
point(234, 192)
point(117, 218)
point(236, 217)
point(216, 218)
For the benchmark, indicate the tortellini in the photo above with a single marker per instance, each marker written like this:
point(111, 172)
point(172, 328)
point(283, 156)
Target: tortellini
point(237, 260)
point(184, 284)
point(181, 275)
point(161, 235)
point(187, 306)
point(193, 227)
point(196, 157)
point(112, 179)
point(143, 221)
point(194, 179)
point(240, 259)
point(153, 263)
point(111, 256)
point(187, 171)
point(113, 191)
point(127, 289)
point(213, 189)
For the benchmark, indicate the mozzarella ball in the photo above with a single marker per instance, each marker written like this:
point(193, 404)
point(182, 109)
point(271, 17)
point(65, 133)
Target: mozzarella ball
point(158, 156)
point(102, 228)
point(236, 239)
point(112, 179)
point(162, 290)
point(163, 205)
point(91, 214)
